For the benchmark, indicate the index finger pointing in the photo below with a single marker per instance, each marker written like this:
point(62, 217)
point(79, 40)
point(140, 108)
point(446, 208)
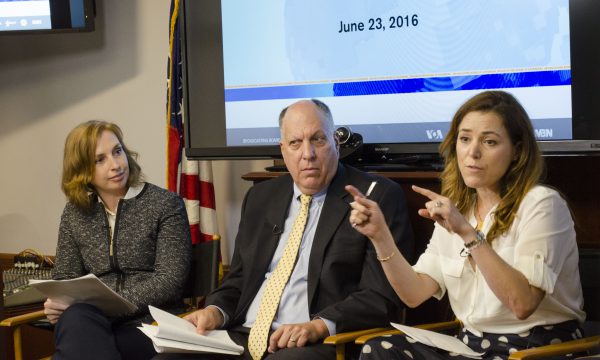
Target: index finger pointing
point(353, 191)
point(425, 192)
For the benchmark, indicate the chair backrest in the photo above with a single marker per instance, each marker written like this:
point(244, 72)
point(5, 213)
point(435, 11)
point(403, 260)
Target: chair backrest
point(589, 259)
point(204, 272)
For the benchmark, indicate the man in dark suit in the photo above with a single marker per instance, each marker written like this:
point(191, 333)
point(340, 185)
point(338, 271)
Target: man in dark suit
point(337, 283)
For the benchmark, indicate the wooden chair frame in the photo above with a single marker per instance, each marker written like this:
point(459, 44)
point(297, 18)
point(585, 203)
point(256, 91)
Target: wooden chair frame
point(14, 324)
point(362, 336)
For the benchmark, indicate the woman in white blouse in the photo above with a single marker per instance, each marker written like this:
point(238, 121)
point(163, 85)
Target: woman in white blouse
point(503, 246)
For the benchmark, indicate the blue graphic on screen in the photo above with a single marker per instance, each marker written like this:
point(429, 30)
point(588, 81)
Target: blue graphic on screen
point(380, 87)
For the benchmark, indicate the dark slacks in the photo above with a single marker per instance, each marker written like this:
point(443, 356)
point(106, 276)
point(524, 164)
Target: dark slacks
point(84, 332)
point(313, 352)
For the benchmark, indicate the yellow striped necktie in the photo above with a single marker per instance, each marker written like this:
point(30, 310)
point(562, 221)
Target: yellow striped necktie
point(269, 303)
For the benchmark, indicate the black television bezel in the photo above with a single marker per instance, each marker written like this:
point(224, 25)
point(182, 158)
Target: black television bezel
point(584, 73)
point(60, 16)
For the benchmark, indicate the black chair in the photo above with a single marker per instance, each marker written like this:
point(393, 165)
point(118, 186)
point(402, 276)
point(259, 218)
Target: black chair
point(204, 272)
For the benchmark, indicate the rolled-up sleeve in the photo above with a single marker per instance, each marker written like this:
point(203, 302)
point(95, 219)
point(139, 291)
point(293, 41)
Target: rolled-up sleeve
point(543, 238)
point(431, 262)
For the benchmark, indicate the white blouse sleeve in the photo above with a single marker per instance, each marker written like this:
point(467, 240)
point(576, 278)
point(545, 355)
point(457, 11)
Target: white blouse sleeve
point(431, 261)
point(544, 237)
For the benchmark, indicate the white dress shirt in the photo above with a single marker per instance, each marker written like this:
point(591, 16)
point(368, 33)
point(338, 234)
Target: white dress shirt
point(540, 244)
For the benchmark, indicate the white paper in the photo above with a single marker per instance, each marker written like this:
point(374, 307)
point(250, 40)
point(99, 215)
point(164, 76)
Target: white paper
point(174, 346)
point(174, 334)
point(438, 340)
point(86, 289)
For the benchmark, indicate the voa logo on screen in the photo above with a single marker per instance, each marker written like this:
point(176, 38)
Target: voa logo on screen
point(434, 134)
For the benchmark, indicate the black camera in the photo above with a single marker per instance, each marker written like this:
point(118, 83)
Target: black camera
point(351, 144)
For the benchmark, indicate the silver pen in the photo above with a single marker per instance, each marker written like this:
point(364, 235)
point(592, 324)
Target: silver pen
point(370, 189)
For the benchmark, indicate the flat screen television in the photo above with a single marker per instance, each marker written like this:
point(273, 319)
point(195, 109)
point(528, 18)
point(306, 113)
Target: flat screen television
point(393, 71)
point(46, 16)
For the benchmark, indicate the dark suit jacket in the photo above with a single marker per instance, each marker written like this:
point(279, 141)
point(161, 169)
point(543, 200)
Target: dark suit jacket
point(346, 283)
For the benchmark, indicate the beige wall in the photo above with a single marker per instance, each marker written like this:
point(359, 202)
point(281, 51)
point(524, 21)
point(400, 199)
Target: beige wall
point(50, 83)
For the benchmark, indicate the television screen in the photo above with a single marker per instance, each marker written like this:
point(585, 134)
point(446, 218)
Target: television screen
point(34, 16)
point(395, 72)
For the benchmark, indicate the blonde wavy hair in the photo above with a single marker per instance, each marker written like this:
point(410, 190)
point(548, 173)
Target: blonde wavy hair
point(523, 173)
point(79, 161)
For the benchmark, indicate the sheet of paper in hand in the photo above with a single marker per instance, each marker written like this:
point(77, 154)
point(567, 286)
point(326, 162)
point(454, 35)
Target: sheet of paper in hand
point(438, 340)
point(85, 289)
point(174, 334)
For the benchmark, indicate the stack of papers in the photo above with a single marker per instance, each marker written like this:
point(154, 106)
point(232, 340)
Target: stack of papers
point(86, 289)
point(174, 334)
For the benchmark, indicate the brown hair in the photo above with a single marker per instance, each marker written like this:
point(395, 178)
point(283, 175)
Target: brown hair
point(79, 161)
point(522, 175)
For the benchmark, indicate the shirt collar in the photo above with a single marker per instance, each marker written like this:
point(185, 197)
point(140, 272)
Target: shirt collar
point(132, 192)
point(318, 197)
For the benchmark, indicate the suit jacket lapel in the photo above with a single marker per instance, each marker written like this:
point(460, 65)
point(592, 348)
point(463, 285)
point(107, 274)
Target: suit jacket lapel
point(270, 234)
point(333, 213)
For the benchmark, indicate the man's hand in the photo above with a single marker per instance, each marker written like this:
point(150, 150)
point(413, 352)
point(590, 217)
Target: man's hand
point(207, 319)
point(54, 309)
point(297, 335)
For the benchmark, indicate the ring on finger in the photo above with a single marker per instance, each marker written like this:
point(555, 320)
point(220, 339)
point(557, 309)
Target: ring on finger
point(438, 204)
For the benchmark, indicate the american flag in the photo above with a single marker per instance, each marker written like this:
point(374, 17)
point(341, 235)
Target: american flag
point(195, 177)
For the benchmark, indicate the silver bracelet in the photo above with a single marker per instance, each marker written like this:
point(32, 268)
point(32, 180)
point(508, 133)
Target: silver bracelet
point(479, 239)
